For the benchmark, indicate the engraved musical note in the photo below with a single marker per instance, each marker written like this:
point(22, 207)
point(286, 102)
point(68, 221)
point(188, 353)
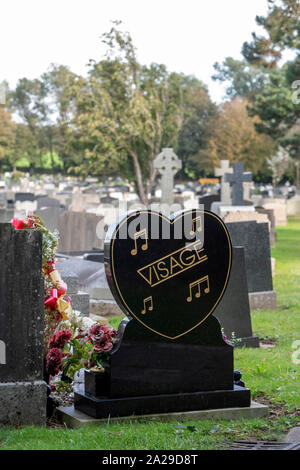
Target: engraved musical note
point(194, 224)
point(150, 300)
point(198, 285)
point(144, 245)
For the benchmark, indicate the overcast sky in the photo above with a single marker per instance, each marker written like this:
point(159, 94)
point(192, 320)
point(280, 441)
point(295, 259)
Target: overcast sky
point(187, 35)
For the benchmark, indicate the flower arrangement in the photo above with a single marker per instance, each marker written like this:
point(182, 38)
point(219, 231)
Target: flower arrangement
point(89, 348)
point(69, 349)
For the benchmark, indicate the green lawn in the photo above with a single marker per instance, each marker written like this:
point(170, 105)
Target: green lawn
point(269, 373)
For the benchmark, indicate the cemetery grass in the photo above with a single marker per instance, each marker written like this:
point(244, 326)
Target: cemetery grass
point(269, 372)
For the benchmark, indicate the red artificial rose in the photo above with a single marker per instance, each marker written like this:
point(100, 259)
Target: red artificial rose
point(18, 224)
point(108, 346)
point(60, 338)
point(110, 333)
point(96, 333)
point(53, 361)
point(98, 349)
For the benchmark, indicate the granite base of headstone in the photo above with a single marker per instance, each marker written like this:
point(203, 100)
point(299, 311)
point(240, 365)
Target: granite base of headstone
point(170, 353)
point(233, 312)
point(148, 376)
point(23, 393)
point(254, 237)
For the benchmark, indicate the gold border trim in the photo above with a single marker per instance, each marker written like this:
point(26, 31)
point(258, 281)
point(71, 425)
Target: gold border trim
point(171, 222)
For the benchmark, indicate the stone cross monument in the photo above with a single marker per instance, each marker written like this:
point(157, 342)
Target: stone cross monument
point(167, 163)
point(237, 179)
point(225, 187)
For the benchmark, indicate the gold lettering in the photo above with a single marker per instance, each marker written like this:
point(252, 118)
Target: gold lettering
point(173, 264)
point(154, 269)
point(163, 269)
point(184, 262)
point(169, 266)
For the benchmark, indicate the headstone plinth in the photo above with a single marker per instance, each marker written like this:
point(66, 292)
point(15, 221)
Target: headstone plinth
point(168, 276)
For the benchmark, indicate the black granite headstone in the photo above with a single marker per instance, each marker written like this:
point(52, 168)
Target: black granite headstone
point(46, 201)
point(254, 237)
point(233, 312)
point(167, 276)
point(208, 199)
point(24, 197)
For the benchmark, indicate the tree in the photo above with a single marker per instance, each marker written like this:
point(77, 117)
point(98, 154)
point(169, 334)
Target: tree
point(282, 31)
point(244, 80)
point(276, 107)
point(279, 164)
point(236, 139)
point(7, 132)
point(58, 84)
point(125, 113)
point(199, 115)
point(272, 103)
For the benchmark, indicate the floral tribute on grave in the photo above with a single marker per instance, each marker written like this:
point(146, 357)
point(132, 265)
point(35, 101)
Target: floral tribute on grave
point(71, 341)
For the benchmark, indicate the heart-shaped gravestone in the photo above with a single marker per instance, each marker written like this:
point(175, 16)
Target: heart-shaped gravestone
point(169, 274)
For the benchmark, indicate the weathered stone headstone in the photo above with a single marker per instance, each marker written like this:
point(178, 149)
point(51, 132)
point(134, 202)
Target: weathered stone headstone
point(23, 392)
point(233, 312)
point(83, 201)
point(272, 225)
point(50, 216)
point(225, 186)
point(293, 206)
point(254, 237)
point(237, 178)
point(171, 355)
point(78, 231)
point(279, 206)
point(167, 163)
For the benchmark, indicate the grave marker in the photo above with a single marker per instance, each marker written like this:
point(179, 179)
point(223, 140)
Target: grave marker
point(22, 389)
point(171, 355)
point(237, 178)
point(225, 186)
point(167, 163)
